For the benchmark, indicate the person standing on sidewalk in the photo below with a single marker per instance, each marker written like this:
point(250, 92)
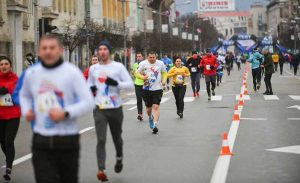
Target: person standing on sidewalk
point(256, 60)
point(275, 58)
point(52, 101)
point(193, 65)
point(154, 74)
point(106, 79)
point(9, 114)
point(138, 84)
point(179, 73)
point(268, 65)
point(210, 64)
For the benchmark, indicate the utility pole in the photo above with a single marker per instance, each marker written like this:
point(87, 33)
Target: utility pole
point(36, 25)
point(125, 36)
point(87, 21)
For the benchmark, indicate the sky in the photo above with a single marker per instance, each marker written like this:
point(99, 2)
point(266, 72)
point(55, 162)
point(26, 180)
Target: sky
point(241, 5)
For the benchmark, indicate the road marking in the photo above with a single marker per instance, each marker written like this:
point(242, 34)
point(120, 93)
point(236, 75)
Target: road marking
point(245, 97)
point(288, 149)
point(130, 102)
point(221, 170)
point(294, 119)
point(216, 98)
point(294, 107)
point(132, 108)
point(29, 156)
point(164, 99)
point(233, 133)
point(292, 74)
point(165, 93)
point(189, 99)
point(271, 97)
point(255, 119)
point(295, 97)
point(131, 93)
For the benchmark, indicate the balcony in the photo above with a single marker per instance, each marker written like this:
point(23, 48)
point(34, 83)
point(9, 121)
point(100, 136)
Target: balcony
point(49, 13)
point(16, 5)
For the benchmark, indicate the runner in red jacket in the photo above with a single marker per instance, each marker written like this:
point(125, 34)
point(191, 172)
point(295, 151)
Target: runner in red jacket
point(209, 64)
point(9, 113)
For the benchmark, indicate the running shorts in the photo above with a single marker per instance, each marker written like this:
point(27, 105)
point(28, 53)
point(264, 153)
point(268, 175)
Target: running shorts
point(152, 97)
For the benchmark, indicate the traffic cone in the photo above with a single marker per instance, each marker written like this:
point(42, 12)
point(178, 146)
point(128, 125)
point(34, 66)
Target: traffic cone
point(225, 151)
point(241, 97)
point(236, 107)
point(246, 91)
point(246, 85)
point(241, 103)
point(236, 116)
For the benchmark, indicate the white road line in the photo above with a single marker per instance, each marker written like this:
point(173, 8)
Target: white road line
point(131, 93)
point(216, 98)
point(245, 97)
point(255, 119)
point(233, 133)
point(294, 119)
point(164, 99)
point(288, 149)
point(130, 102)
point(221, 170)
point(271, 97)
point(295, 97)
point(165, 93)
point(132, 108)
point(29, 156)
point(189, 99)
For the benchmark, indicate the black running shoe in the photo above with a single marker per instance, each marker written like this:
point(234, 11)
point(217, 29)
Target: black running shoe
point(266, 93)
point(140, 118)
point(209, 98)
point(213, 93)
point(119, 166)
point(270, 93)
point(7, 175)
point(155, 130)
point(180, 115)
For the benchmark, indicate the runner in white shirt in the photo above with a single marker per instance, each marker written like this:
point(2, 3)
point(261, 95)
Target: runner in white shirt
point(154, 74)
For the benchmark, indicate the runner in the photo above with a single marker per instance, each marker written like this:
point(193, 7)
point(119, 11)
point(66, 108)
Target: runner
point(229, 61)
point(275, 58)
point(256, 61)
point(138, 83)
point(169, 64)
point(154, 74)
point(220, 68)
point(281, 62)
point(193, 65)
point(179, 73)
point(9, 114)
point(238, 61)
point(268, 65)
point(209, 64)
point(106, 80)
point(94, 60)
point(52, 101)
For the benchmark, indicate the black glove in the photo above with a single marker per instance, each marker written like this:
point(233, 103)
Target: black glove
point(112, 82)
point(212, 67)
point(94, 90)
point(3, 91)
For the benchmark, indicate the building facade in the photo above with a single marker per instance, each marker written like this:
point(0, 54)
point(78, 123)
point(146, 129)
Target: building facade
point(277, 12)
point(257, 22)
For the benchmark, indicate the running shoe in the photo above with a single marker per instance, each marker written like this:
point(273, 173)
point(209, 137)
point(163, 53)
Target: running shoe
point(140, 117)
point(198, 94)
point(155, 130)
point(270, 93)
point(213, 92)
point(7, 175)
point(180, 115)
point(258, 86)
point(209, 98)
point(151, 122)
point(194, 95)
point(119, 165)
point(266, 93)
point(102, 176)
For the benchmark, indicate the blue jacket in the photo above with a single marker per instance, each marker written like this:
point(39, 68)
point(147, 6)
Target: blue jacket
point(167, 61)
point(256, 60)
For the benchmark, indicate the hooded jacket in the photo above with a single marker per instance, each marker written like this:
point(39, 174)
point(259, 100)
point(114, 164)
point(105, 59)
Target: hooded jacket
point(256, 60)
point(9, 81)
point(207, 62)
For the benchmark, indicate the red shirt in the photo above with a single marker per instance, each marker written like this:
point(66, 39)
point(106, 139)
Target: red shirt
point(208, 61)
point(9, 81)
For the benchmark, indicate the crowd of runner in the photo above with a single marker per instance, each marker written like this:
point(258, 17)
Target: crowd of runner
point(47, 97)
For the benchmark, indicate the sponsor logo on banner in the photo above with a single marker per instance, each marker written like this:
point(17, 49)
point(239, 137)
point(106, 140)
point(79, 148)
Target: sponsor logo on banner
point(216, 5)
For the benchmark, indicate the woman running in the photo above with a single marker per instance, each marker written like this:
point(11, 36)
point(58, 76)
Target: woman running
point(9, 114)
point(179, 73)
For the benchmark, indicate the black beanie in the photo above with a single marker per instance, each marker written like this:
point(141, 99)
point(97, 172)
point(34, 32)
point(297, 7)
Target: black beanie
point(107, 44)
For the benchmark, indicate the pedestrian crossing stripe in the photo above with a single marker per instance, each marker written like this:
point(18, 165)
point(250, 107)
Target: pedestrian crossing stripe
point(245, 97)
point(271, 97)
point(189, 99)
point(217, 98)
point(295, 97)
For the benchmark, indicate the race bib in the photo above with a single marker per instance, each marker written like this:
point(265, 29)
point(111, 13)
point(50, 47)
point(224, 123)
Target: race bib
point(47, 101)
point(194, 69)
point(179, 79)
point(208, 67)
point(6, 100)
point(105, 102)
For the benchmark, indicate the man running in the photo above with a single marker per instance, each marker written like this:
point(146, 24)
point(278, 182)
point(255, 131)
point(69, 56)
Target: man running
point(106, 79)
point(193, 65)
point(154, 74)
point(52, 101)
point(256, 61)
point(138, 83)
point(209, 64)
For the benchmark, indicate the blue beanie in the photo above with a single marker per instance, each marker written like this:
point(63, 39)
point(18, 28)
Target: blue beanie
point(105, 43)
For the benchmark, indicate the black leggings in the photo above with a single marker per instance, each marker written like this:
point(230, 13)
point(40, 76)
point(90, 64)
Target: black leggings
point(139, 98)
point(179, 93)
point(256, 74)
point(268, 82)
point(8, 132)
point(281, 68)
point(295, 69)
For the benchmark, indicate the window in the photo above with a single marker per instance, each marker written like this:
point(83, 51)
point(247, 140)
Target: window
point(1, 19)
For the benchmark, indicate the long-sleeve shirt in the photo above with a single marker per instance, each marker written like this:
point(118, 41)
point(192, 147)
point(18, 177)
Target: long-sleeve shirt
point(61, 87)
point(108, 97)
point(256, 60)
point(207, 62)
point(177, 74)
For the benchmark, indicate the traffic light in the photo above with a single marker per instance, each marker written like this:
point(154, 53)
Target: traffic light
point(45, 26)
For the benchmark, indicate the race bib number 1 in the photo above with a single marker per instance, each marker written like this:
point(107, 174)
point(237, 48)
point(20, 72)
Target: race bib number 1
point(6, 100)
point(208, 67)
point(179, 79)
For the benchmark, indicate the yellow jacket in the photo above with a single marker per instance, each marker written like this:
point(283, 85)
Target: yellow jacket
point(177, 74)
point(275, 58)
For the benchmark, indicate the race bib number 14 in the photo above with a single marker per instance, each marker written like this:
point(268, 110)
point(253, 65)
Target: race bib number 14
point(6, 100)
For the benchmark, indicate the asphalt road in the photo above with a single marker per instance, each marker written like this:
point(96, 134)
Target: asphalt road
point(186, 151)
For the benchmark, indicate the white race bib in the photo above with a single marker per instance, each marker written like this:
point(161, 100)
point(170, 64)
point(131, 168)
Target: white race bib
point(179, 79)
point(105, 102)
point(6, 100)
point(208, 67)
point(47, 101)
point(194, 69)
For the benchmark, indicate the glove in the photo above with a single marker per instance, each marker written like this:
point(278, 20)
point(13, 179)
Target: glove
point(94, 90)
point(212, 67)
point(3, 91)
point(110, 81)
